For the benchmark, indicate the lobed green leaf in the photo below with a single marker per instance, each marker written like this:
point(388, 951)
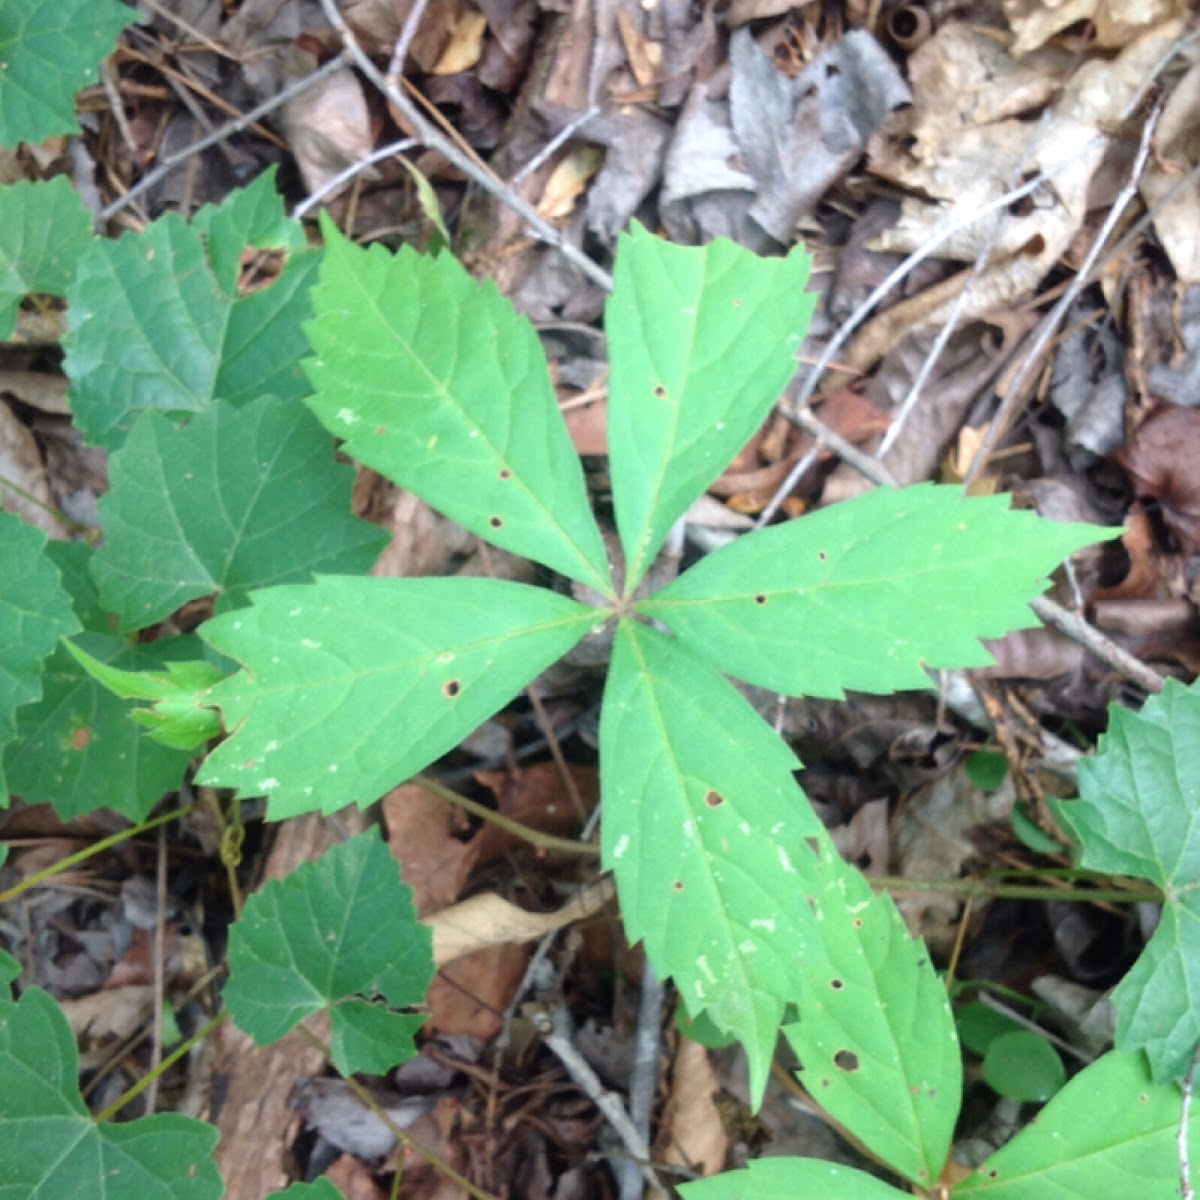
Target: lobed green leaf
point(53, 1147)
point(1139, 815)
point(334, 934)
point(866, 595)
point(701, 343)
point(235, 500)
point(51, 49)
point(44, 231)
point(351, 686)
point(434, 381)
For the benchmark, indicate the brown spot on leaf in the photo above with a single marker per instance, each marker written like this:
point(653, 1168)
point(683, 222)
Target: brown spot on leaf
point(659, 392)
point(846, 1060)
point(80, 738)
point(713, 799)
point(495, 522)
point(451, 688)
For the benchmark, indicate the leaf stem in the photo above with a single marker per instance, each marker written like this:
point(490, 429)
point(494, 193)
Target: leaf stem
point(541, 841)
point(72, 860)
point(442, 1167)
point(151, 1076)
point(896, 885)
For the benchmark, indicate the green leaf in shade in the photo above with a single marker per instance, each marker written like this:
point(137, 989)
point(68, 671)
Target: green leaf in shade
point(865, 595)
point(319, 1189)
point(876, 1039)
point(178, 718)
point(76, 748)
point(51, 49)
point(35, 611)
point(253, 216)
point(1139, 815)
point(1022, 1066)
point(979, 1025)
point(1111, 1133)
point(792, 1179)
point(353, 685)
point(340, 929)
point(704, 828)
point(701, 343)
point(53, 1148)
point(44, 230)
point(434, 381)
point(152, 328)
point(236, 499)
point(74, 561)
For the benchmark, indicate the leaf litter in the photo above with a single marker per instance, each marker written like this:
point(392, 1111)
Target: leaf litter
point(869, 140)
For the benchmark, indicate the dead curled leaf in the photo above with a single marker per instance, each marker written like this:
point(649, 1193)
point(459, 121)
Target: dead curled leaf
point(695, 1134)
point(1160, 460)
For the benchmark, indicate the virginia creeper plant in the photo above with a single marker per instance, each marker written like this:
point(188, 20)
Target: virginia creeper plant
point(221, 408)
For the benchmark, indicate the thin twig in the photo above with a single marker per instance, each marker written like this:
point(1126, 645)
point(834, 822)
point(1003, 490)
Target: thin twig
point(564, 135)
point(160, 956)
point(1014, 394)
point(643, 1078)
point(435, 140)
point(403, 42)
point(173, 161)
point(555, 1027)
point(990, 1001)
point(346, 174)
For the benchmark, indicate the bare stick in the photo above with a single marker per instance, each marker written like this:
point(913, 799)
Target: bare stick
point(403, 42)
point(172, 161)
point(435, 140)
point(344, 176)
point(644, 1076)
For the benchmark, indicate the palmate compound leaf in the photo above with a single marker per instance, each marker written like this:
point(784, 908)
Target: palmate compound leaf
point(35, 612)
point(704, 828)
point(864, 595)
point(434, 381)
point(1110, 1134)
point(351, 686)
point(338, 934)
point(153, 326)
point(1139, 814)
point(44, 231)
point(701, 343)
point(51, 49)
point(239, 498)
point(876, 1040)
point(51, 1145)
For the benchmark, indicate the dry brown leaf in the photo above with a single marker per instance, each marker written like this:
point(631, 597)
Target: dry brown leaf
point(469, 996)
point(534, 796)
point(1114, 22)
point(465, 46)
point(490, 920)
point(327, 127)
point(695, 1136)
point(422, 834)
point(1160, 460)
point(645, 56)
point(1173, 201)
point(21, 464)
point(568, 181)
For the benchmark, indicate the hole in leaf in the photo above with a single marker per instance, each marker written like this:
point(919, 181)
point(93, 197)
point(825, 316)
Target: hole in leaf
point(821, 556)
point(659, 391)
point(713, 799)
point(451, 688)
point(495, 522)
point(858, 922)
point(837, 984)
point(846, 1060)
point(760, 599)
point(678, 885)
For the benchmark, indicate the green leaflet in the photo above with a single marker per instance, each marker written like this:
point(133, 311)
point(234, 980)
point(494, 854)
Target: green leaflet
point(792, 1179)
point(235, 500)
point(876, 1039)
point(704, 828)
point(701, 342)
point(1111, 1133)
point(434, 381)
point(1137, 816)
point(53, 1146)
point(352, 686)
point(866, 594)
point(51, 50)
point(338, 934)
